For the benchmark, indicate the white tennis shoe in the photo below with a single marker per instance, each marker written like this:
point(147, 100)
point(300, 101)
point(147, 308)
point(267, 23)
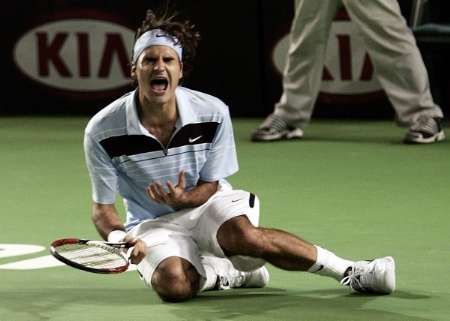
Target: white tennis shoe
point(239, 279)
point(275, 128)
point(425, 130)
point(229, 277)
point(377, 276)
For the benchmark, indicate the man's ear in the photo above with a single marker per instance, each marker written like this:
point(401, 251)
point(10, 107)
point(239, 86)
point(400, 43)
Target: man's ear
point(133, 72)
point(181, 70)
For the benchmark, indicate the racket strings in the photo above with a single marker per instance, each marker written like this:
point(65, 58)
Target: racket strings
point(92, 256)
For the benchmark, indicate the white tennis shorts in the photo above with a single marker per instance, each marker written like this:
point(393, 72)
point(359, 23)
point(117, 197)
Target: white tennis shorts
point(191, 233)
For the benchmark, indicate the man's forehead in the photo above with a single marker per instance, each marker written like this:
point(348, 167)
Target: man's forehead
point(159, 50)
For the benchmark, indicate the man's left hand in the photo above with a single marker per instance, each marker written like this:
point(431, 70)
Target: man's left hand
point(175, 196)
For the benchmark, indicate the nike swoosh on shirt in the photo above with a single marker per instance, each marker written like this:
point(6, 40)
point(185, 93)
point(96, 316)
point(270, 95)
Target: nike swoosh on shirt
point(193, 140)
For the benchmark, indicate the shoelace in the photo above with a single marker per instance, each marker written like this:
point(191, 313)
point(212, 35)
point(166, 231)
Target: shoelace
point(276, 124)
point(234, 282)
point(425, 124)
point(354, 279)
point(237, 281)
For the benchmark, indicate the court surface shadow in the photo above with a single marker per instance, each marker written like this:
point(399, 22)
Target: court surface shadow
point(278, 304)
point(242, 304)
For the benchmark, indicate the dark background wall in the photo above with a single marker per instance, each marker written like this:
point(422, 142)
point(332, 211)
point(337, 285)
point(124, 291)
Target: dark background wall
point(233, 62)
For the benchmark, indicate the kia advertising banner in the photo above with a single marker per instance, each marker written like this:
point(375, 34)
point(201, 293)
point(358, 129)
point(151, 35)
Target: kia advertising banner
point(72, 57)
point(66, 55)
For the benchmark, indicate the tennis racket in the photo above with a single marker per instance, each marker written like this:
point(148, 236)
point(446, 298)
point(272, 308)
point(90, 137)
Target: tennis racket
point(91, 256)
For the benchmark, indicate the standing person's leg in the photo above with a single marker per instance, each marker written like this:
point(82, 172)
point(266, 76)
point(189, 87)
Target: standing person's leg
point(303, 72)
point(399, 66)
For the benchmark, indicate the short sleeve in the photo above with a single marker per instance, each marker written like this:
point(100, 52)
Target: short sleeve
point(102, 172)
point(222, 159)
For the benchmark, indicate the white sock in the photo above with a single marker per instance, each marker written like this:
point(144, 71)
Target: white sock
point(210, 281)
point(328, 264)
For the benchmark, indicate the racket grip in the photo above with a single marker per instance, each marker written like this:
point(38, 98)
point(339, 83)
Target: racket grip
point(116, 236)
point(128, 254)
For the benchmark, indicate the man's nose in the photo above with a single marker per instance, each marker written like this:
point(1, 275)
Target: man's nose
point(159, 64)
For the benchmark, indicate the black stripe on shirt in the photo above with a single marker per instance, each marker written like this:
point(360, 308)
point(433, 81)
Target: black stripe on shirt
point(129, 145)
point(191, 134)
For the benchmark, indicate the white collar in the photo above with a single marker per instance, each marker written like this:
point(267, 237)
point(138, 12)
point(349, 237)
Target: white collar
point(184, 109)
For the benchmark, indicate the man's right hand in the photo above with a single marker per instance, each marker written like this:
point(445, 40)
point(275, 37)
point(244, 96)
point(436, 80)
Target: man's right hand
point(138, 250)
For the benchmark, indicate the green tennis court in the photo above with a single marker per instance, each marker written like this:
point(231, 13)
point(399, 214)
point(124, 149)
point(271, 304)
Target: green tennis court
point(350, 186)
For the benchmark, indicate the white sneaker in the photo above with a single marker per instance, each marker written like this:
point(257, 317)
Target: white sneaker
point(425, 130)
point(275, 128)
point(239, 279)
point(258, 278)
point(377, 276)
point(229, 277)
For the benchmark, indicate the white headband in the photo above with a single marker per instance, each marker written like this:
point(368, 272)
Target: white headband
point(156, 37)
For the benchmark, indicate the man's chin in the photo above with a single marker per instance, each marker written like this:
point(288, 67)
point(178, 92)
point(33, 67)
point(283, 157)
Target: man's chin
point(159, 100)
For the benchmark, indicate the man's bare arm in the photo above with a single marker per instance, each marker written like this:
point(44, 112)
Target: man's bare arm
point(106, 219)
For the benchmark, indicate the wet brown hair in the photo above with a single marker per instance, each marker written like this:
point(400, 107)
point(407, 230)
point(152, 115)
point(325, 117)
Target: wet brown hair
point(183, 30)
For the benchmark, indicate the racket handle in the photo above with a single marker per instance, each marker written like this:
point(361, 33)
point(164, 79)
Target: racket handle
point(118, 245)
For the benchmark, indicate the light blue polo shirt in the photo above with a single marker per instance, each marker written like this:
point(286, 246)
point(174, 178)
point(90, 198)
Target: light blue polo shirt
point(124, 158)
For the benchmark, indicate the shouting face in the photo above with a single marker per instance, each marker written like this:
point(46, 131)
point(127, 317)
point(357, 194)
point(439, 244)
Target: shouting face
point(158, 71)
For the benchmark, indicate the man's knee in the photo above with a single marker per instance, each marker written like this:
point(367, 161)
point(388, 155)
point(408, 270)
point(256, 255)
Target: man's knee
point(238, 236)
point(175, 280)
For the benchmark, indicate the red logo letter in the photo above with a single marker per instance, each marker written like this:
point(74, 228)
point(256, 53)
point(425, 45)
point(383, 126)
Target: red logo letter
point(114, 44)
point(50, 53)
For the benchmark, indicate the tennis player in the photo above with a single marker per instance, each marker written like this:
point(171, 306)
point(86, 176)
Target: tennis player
point(167, 150)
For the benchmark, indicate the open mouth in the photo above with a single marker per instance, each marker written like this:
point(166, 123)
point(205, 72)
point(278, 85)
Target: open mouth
point(159, 85)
